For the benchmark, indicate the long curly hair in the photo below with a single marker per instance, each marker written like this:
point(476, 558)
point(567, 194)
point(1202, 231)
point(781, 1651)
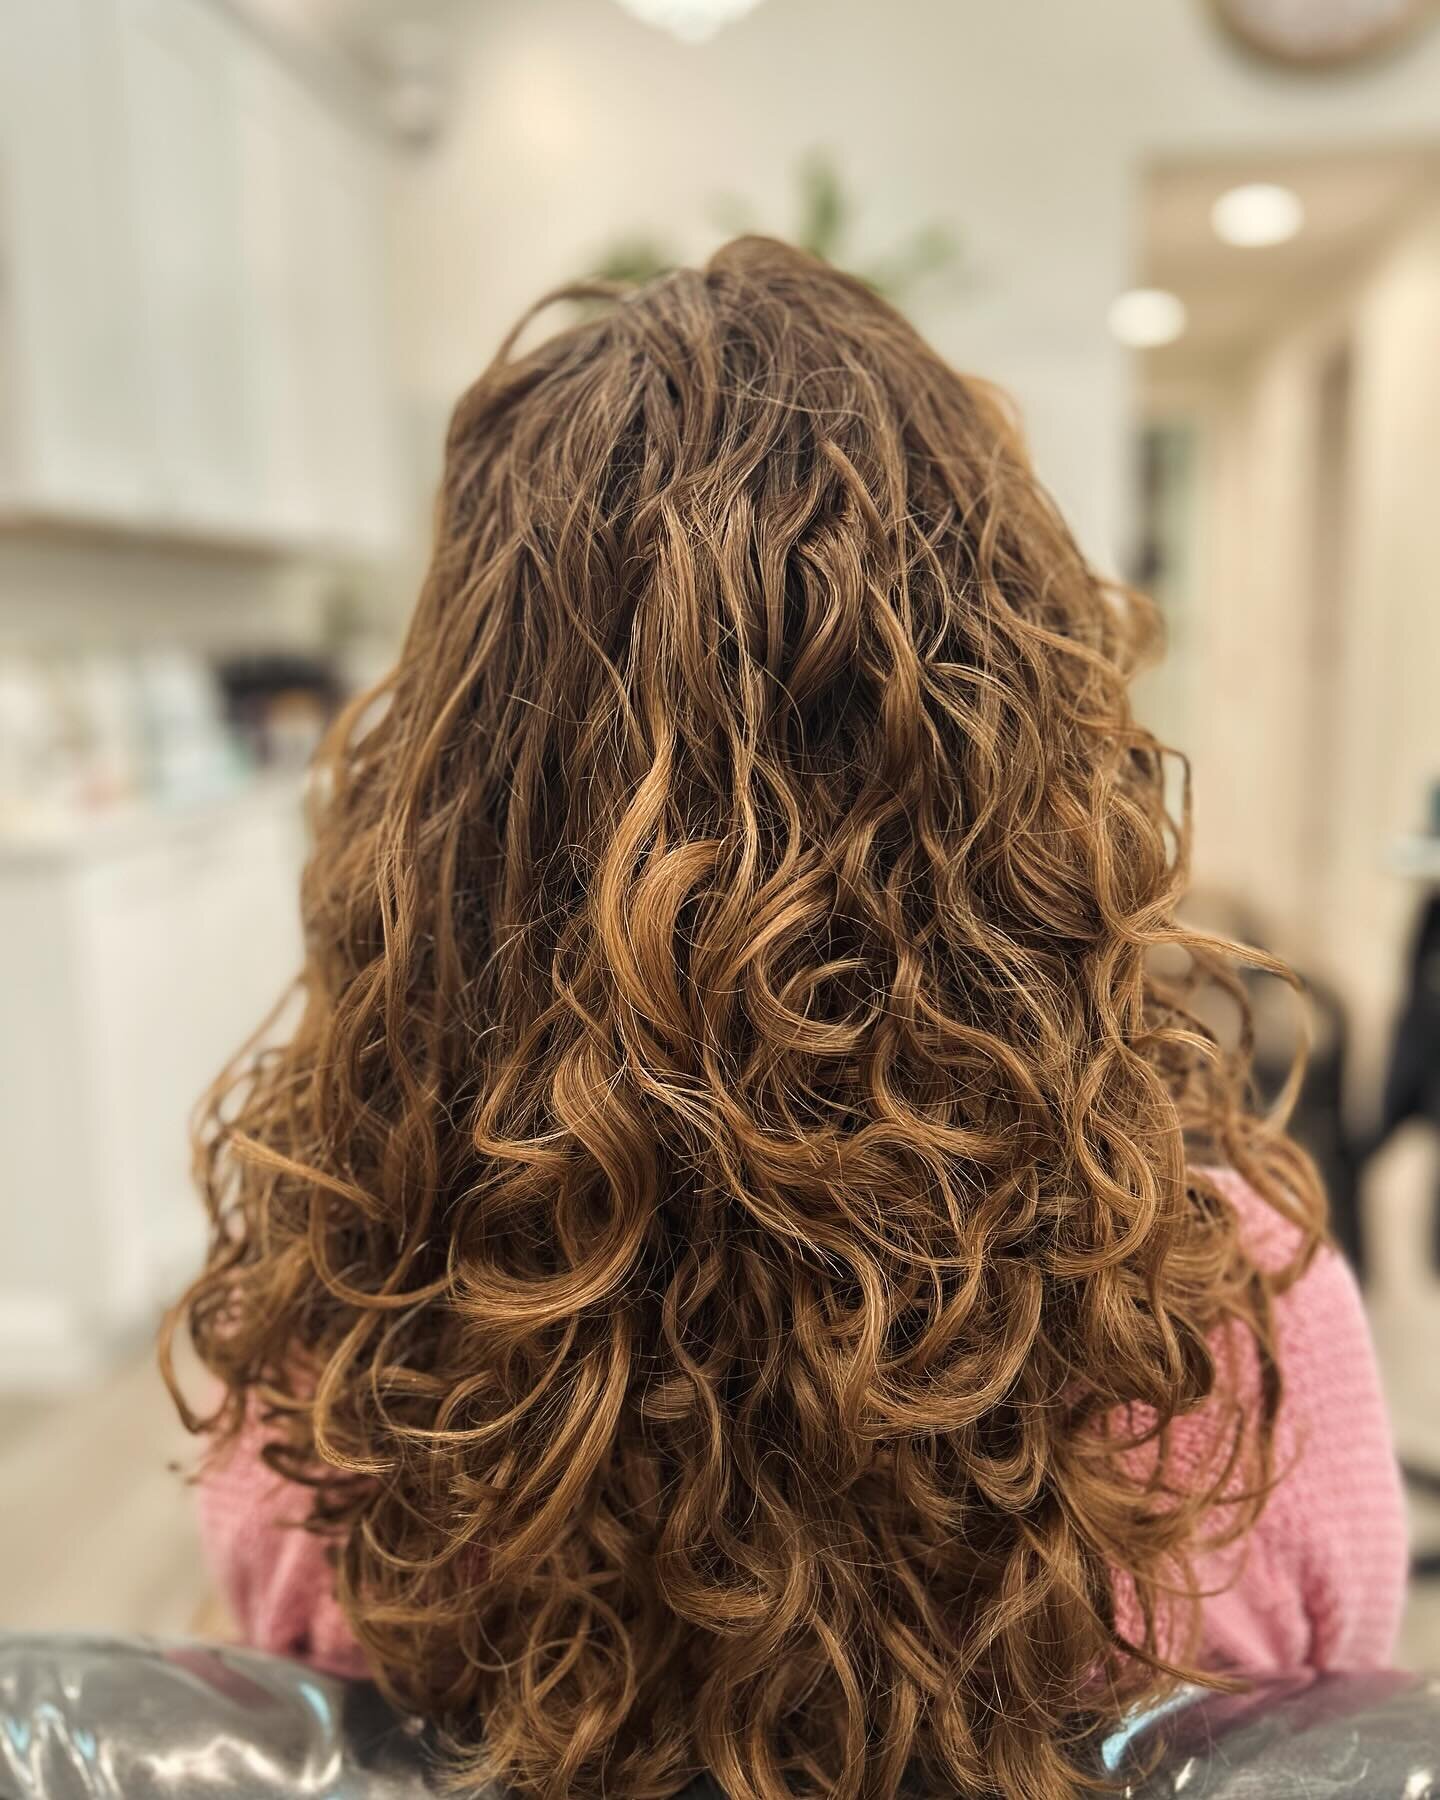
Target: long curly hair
point(730, 1224)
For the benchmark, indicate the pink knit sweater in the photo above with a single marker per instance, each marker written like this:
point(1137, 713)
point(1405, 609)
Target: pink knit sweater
point(1317, 1584)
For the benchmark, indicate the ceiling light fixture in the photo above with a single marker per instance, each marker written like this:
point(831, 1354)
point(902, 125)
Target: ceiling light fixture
point(692, 20)
point(1313, 34)
point(1147, 318)
point(1257, 214)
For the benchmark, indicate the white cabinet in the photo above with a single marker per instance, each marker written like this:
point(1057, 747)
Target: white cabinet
point(273, 119)
point(349, 444)
point(70, 386)
point(192, 331)
point(134, 963)
point(315, 325)
point(184, 177)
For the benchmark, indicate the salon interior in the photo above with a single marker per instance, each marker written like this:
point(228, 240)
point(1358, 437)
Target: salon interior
point(250, 253)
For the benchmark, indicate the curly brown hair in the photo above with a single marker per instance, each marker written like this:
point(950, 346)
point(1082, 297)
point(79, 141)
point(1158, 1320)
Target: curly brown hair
point(728, 1236)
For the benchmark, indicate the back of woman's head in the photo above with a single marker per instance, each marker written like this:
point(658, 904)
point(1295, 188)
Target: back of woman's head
point(735, 1196)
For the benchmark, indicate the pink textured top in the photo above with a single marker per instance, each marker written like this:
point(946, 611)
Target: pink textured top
point(1317, 1584)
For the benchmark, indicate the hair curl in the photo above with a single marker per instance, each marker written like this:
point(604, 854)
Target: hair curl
point(728, 1236)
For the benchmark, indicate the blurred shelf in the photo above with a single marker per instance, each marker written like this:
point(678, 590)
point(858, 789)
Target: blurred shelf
point(24, 516)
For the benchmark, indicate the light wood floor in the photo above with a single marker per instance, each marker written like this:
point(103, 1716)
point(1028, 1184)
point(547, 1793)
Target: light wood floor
point(97, 1526)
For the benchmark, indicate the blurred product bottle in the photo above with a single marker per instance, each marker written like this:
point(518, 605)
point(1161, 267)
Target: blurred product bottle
point(38, 769)
point(191, 752)
point(279, 704)
point(107, 706)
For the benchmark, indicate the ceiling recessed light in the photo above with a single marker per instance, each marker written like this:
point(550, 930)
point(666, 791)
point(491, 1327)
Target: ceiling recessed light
point(1259, 213)
point(693, 20)
point(1147, 318)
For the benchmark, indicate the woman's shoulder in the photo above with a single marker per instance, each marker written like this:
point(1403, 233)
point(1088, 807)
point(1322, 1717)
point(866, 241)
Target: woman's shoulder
point(1270, 1238)
point(1332, 1537)
point(1322, 1335)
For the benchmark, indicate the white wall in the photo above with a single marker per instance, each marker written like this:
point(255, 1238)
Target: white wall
point(1391, 654)
point(1249, 649)
point(1023, 124)
point(1312, 758)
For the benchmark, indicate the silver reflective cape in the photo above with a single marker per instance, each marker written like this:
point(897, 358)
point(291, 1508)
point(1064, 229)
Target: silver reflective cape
point(92, 1718)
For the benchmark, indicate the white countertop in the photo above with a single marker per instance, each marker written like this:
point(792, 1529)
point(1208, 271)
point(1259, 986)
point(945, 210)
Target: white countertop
point(137, 825)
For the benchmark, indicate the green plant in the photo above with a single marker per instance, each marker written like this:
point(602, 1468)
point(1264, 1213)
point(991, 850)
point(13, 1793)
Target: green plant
point(824, 219)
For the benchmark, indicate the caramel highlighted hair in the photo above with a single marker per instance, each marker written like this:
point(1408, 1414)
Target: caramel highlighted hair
point(726, 1237)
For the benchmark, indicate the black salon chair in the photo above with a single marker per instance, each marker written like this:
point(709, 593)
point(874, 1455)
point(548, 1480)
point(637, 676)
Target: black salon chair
point(92, 1718)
